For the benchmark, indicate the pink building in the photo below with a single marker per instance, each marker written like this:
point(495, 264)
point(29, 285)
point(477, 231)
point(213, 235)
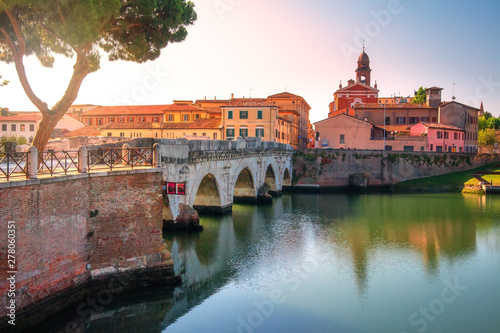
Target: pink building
point(440, 138)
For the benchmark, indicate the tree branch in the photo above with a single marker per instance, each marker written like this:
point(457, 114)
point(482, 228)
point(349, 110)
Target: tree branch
point(17, 31)
point(21, 73)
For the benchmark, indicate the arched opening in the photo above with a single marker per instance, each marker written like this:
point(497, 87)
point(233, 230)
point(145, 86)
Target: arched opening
point(244, 188)
point(270, 178)
point(207, 199)
point(287, 179)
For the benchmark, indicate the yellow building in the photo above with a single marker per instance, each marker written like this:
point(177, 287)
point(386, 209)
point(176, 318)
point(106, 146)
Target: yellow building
point(212, 106)
point(201, 128)
point(254, 118)
point(184, 112)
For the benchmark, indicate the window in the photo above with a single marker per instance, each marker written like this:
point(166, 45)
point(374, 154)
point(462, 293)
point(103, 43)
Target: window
point(13, 127)
point(143, 119)
point(439, 134)
point(424, 119)
point(243, 114)
point(276, 133)
point(387, 120)
point(203, 134)
point(99, 121)
point(259, 132)
point(196, 116)
point(111, 120)
point(120, 119)
point(439, 149)
point(89, 121)
point(400, 120)
point(342, 138)
point(455, 135)
point(215, 136)
point(170, 117)
point(32, 128)
point(229, 114)
point(244, 132)
point(422, 148)
point(230, 132)
point(130, 119)
point(186, 117)
point(432, 147)
point(413, 120)
point(122, 135)
point(4, 127)
point(109, 133)
point(195, 134)
point(388, 148)
point(446, 135)
point(434, 119)
point(155, 120)
point(259, 114)
point(23, 127)
point(408, 148)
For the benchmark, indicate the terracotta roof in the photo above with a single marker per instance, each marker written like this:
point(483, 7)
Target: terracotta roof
point(433, 88)
point(212, 110)
point(84, 131)
point(471, 107)
point(390, 106)
point(223, 101)
point(394, 128)
point(125, 110)
point(254, 102)
point(18, 118)
point(287, 95)
point(182, 107)
point(344, 115)
point(440, 126)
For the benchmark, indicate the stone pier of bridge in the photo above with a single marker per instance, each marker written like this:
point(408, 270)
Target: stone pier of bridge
point(218, 173)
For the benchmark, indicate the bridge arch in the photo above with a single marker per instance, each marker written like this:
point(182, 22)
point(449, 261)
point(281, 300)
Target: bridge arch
point(287, 179)
point(207, 196)
point(244, 186)
point(270, 178)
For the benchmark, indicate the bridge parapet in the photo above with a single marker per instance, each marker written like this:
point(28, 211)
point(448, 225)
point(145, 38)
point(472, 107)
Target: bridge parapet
point(182, 151)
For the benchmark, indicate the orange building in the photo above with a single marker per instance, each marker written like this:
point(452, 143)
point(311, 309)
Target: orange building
point(295, 109)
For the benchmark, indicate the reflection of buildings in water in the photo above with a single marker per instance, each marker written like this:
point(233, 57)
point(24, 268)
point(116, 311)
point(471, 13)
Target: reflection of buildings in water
point(438, 229)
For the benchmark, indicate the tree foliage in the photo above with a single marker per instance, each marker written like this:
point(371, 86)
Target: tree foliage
point(482, 123)
point(487, 115)
point(420, 96)
point(493, 123)
point(131, 30)
point(487, 139)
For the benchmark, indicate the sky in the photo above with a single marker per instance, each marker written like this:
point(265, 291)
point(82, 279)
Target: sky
point(306, 47)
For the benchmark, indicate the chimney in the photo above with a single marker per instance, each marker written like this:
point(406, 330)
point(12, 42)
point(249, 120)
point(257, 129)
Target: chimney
point(232, 96)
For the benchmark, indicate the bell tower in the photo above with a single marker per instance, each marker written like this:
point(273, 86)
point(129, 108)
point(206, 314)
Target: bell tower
point(363, 71)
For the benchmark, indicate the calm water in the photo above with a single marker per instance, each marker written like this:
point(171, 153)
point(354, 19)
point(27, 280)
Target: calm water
point(327, 263)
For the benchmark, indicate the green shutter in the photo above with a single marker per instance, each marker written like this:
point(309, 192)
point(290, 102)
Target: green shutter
point(259, 114)
point(229, 114)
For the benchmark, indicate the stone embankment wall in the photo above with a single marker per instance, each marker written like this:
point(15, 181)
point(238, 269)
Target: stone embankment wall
point(73, 230)
point(342, 168)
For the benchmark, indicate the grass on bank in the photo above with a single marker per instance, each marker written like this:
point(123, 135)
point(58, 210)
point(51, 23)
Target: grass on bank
point(458, 179)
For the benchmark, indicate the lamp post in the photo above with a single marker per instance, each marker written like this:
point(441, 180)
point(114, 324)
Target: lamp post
point(385, 122)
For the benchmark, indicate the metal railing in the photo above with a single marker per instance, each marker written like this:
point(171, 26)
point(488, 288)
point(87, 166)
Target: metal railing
point(2, 145)
point(112, 157)
point(30, 164)
point(57, 162)
point(13, 164)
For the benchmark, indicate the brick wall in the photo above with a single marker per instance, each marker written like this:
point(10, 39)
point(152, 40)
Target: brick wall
point(72, 228)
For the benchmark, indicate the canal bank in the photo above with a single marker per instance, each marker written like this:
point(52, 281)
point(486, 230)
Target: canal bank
point(329, 171)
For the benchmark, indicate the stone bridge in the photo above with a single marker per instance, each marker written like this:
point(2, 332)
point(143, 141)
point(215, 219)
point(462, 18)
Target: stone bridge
point(218, 173)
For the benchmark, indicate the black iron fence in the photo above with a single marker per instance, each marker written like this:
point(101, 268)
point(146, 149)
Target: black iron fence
point(51, 162)
point(113, 157)
point(13, 164)
point(18, 165)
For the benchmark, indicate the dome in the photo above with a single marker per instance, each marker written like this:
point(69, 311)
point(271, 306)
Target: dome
point(363, 57)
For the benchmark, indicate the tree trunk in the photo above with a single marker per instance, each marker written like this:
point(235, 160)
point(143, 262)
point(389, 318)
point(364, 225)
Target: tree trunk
point(44, 131)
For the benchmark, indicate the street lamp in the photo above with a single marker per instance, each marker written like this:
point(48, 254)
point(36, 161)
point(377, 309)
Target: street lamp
point(385, 123)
